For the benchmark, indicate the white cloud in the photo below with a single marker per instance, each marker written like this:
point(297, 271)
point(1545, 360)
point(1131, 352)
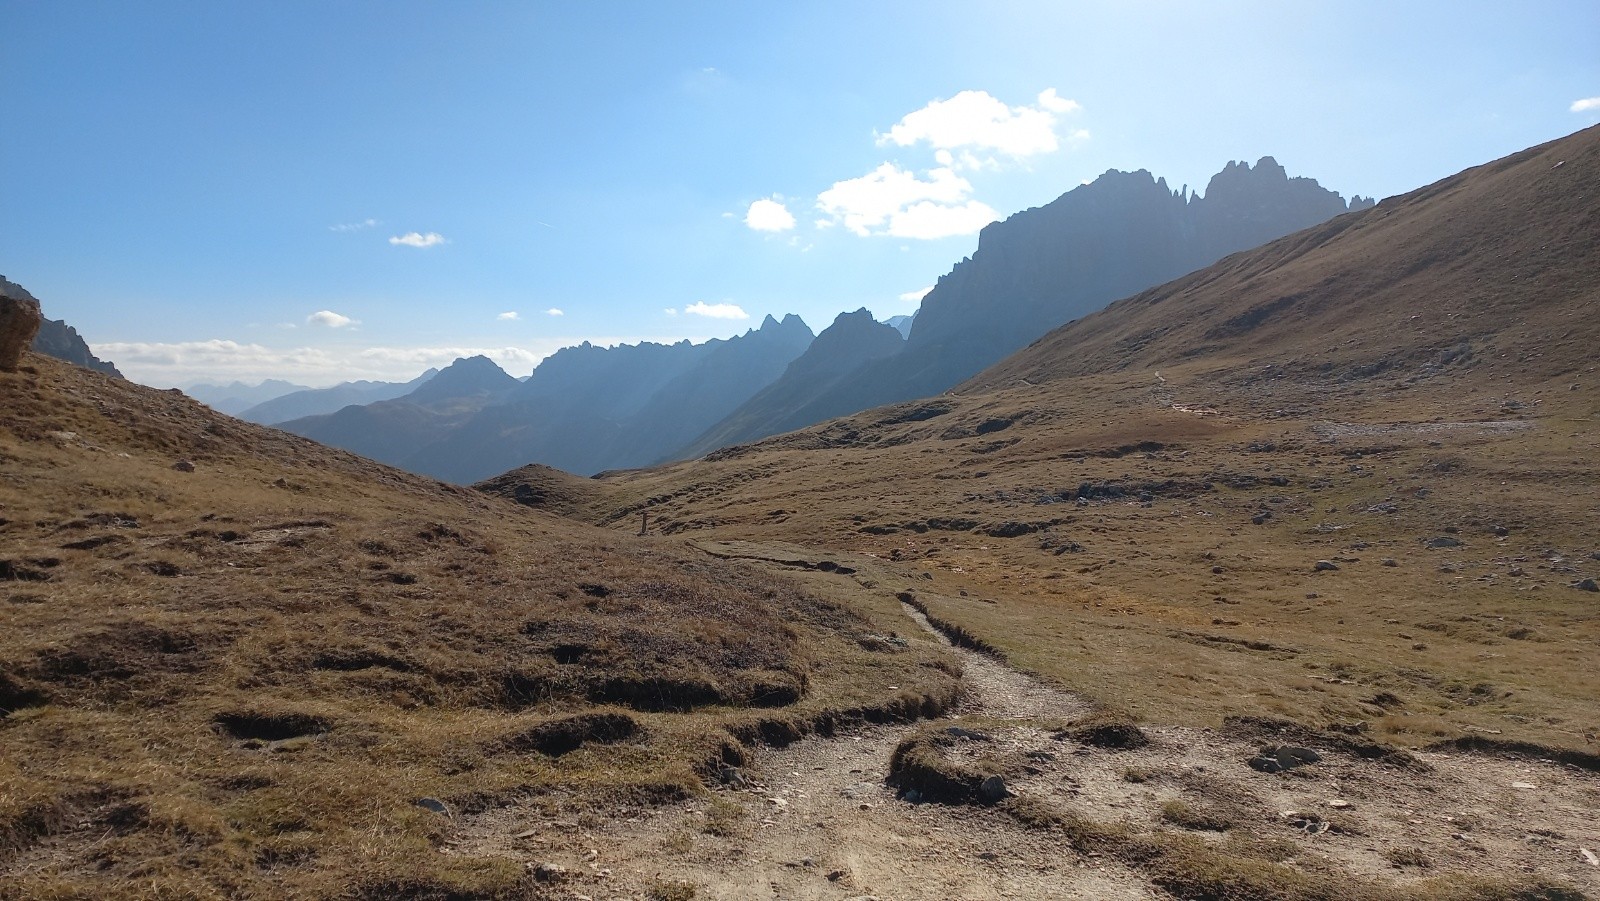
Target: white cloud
point(1585, 105)
point(416, 239)
point(716, 310)
point(508, 316)
point(975, 119)
point(670, 311)
point(769, 215)
point(917, 295)
point(555, 311)
point(330, 319)
point(893, 201)
point(353, 226)
point(1050, 100)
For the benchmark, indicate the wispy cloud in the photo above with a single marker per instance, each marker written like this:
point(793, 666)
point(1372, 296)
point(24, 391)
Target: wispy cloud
point(716, 310)
point(508, 316)
point(917, 295)
point(329, 319)
point(1585, 105)
point(353, 226)
point(417, 239)
point(555, 311)
point(769, 215)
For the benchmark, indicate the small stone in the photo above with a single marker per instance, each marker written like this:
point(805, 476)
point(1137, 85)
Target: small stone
point(1216, 570)
point(1265, 764)
point(1325, 566)
point(835, 875)
point(183, 466)
point(988, 855)
point(433, 804)
point(1390, 561)
point(1523, 785)
point(549, 872)
point(1340, 804)
point(1443, 541)
point(1290, 756)
point(778, 803)
point(993, 790)
point(1586, 585)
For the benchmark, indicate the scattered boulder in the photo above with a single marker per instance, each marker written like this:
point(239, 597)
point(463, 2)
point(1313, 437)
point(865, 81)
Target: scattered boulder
point(1283, 758)
point(183, 466)
point(1390, 561)
point(1443, 541)
point(1325, 566)
point(19, 322)
point(993, 791)
point(1586, 585)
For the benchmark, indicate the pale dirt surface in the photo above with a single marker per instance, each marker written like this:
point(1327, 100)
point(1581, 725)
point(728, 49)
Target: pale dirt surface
point(816, 821)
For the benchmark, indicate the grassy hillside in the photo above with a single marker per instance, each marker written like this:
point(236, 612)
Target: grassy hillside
point(258, 674)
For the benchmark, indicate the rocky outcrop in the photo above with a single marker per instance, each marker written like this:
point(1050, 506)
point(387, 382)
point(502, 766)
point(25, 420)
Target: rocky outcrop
point(19, 322)
point(62, 341)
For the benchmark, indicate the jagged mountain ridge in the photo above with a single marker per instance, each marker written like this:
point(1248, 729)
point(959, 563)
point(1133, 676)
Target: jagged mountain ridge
point(1042, 267)
point(588, 408)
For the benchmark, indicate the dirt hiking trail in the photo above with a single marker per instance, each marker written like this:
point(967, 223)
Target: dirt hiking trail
point(816, 819)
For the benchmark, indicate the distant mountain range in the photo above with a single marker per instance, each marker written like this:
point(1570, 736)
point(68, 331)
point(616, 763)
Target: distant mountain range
point(317, 401)
point(587, 409)
point(236, 397)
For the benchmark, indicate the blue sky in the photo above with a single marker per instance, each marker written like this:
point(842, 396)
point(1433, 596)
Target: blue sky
point(320, 191)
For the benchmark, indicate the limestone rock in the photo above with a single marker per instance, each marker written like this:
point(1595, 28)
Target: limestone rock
point(19, 322)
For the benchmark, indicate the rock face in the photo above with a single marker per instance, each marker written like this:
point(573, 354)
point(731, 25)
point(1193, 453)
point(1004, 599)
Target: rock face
point(19, 322)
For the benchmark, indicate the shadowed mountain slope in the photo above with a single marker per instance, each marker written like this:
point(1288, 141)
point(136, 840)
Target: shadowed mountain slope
point(589, 408)
point(796, 399)
point(390, 431)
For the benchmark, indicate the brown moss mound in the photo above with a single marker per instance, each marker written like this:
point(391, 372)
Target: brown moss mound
point(562, 736)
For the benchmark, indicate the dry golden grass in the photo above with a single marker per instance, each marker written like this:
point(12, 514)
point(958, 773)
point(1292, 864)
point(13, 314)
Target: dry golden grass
point(1178, 606)
point(237, 681)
